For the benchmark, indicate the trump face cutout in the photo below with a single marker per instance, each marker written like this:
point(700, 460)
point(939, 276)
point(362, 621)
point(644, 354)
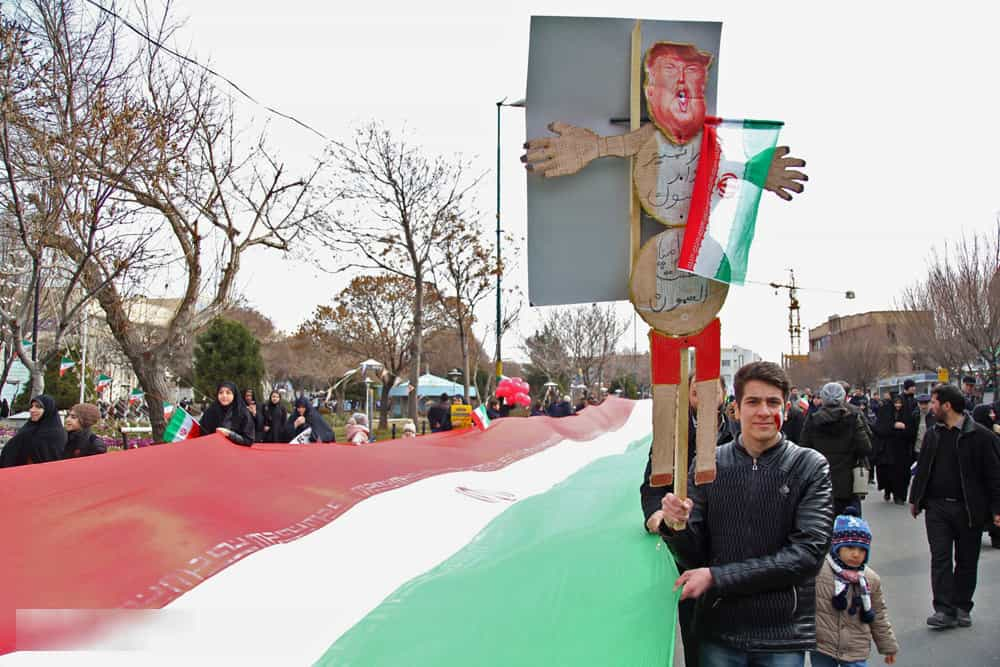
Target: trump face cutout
point(675, 89)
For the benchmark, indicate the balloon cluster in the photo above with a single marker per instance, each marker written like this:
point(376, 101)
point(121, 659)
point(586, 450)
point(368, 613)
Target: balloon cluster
point(514, 391)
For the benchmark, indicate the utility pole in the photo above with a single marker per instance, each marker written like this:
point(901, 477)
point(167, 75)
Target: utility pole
point(499, 359)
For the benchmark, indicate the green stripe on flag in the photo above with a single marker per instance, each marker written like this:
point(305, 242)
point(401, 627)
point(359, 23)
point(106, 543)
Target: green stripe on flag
point(567, 577)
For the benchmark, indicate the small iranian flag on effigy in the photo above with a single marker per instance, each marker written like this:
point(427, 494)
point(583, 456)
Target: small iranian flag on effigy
point(732, 170)
point(480, 418)
point(181, 427)
point(65, 365)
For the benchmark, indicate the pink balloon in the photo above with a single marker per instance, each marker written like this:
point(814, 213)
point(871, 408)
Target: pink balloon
point(522, 398)
point(525, 387)
point(505, 389)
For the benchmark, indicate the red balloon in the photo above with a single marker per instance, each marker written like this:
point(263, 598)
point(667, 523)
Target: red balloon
point(525, 387)
point(522, 398)
point(505, 389)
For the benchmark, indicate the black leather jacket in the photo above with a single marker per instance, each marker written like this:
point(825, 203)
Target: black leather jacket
point(978, 465)
point(763, 527)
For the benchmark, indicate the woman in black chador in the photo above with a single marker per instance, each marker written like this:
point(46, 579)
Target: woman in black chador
point(306, 416)
point(229, 416)
point(40, 440)
point(275, 417)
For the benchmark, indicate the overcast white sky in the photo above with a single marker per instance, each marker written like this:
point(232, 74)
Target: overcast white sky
point(890, 105)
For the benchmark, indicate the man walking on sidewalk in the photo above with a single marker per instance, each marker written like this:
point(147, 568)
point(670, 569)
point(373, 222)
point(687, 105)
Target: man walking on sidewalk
point(958, 483)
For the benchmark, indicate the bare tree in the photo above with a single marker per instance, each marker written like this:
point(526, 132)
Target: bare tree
point(397, 205)
point(164, 141)
point(589, 336)
point(55, 69)
point(464, 273)
point(856, 359)
point(547, 353)
point(371, 318)
point(962, 291)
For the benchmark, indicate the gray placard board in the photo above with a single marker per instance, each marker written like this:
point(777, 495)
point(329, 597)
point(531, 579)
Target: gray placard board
point(578, 226)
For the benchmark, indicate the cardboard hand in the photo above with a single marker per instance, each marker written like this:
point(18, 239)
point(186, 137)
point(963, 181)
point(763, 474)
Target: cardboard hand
point(782, 179)
point(569, 152)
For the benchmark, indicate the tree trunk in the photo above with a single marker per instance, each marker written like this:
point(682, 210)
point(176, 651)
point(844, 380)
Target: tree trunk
point(383, 412)
point(37, 380)
point(153, 381)
point(8, 363)
point(463, 341)
point(416, 344)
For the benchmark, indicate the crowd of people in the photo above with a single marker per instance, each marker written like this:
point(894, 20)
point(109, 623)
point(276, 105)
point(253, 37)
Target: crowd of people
point(773, 555)
point(240, 418)
point(44, 437)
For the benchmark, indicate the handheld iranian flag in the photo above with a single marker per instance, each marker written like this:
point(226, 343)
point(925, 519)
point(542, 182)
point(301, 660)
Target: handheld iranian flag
point(480, 418)
point(102, 383)
point(135, 395)
point(181, 426)
point(65, 365)
point(732, 169)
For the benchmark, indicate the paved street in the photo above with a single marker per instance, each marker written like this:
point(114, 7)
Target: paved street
point(900, 555)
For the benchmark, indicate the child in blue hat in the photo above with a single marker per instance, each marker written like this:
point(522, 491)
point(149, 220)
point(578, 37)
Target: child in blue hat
point(850, 608)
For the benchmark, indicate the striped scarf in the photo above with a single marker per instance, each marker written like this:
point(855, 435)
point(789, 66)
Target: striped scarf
point(843, 578)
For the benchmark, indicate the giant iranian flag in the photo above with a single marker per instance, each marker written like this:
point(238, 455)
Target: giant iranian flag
point(523, 544)
point(732, 169)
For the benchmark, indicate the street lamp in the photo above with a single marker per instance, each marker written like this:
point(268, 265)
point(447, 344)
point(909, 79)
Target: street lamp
point(376, 367)
point(502, 103)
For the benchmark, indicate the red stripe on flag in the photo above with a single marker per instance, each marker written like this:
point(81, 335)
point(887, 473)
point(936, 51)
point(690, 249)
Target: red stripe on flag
point(701, 196)
point(145, 526)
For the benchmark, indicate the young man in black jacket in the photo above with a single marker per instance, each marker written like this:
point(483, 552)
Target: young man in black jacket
point(755, 538)
point(957, 482)
point(651, 498)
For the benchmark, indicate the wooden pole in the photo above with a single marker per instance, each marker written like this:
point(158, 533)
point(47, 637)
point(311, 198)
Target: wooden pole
point(681, 451)
point(635, 96)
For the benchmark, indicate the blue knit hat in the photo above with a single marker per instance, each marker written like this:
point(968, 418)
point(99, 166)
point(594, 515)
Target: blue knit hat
point(850, 530)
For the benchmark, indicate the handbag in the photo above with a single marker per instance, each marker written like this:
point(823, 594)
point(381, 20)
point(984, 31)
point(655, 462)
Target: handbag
point(861, 474)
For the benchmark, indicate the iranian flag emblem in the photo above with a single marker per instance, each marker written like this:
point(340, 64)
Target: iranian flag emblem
point(732, 169)
point(480, 419)
point(64, 365)
point(181, 427)
point(102, 383)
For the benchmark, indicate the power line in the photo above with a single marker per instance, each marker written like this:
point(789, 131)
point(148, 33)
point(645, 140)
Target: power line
point(211, 71)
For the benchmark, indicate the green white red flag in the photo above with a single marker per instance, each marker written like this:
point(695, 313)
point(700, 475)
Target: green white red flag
point(103, 382)
point(732, 169)
point(65, 365)
point(202, 577)
point(181, 426)
point(480, 418)
point(136, 395)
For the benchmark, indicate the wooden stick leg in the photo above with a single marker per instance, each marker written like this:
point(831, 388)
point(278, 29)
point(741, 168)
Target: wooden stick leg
point(664, 432)
point(708, 430)
point(681, 451)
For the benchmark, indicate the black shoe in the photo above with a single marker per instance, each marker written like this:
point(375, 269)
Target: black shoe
point(887, 496)
point(899, 501)
point(942, 620)
point(963, 618)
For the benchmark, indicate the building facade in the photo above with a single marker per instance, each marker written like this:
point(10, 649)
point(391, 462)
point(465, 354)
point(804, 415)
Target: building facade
point(732, 359)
